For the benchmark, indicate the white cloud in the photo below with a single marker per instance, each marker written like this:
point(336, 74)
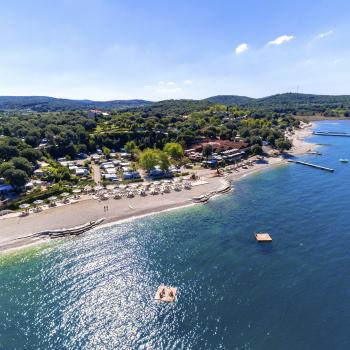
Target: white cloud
point(336, 61)
point(241, 48)
point(170, 83)
point(188, 82)
point(161, 82)
point(280, 40)
point(147, 86)
point(323, 35)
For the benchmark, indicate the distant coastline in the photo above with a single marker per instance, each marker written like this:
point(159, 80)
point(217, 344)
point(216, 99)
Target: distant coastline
point(17, 232)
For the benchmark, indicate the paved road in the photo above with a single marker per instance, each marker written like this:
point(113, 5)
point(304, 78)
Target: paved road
point(96, 173)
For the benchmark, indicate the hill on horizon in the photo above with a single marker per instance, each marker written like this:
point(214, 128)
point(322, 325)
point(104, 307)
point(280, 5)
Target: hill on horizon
point(284, 103)
point(52, 104)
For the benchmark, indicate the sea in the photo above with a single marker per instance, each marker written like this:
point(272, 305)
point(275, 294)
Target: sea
point(97, 291)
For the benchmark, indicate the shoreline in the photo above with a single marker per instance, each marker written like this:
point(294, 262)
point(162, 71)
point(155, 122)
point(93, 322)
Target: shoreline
point(125, 210)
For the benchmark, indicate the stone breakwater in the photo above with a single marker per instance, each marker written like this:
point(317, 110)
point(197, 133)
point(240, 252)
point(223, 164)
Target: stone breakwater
point(74, 231)
point(223, 189)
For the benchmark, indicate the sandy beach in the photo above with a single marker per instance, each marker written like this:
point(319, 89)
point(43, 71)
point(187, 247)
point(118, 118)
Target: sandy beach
point(16, 232)
point(300, 146)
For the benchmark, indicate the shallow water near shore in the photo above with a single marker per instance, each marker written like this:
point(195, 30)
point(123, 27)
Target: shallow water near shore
point(97, 291)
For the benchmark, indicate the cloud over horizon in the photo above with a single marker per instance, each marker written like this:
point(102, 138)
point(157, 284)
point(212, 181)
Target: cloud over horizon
point(241, 48)
point(280, 40)
point(324, 35)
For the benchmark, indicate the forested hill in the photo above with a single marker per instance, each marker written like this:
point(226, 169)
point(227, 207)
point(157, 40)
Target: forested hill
point(282, 99)
point(290, 103)
point(51, 104)
point(282, 103)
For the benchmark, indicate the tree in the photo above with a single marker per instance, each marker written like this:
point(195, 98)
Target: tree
point(224, 133)
point(106, 151)
point(22, 164)
point(16, 177)
point(31, 154)
point(256, 149)
point(131, 148)
point(5, 166)
point(207, 151)
point(32, 140)
point(187, 137)
point(283, 144)
point(148, 159)
point(174, 150)
point(163, 159)
point(255, 140)
point(7, 152)
point(244, 132)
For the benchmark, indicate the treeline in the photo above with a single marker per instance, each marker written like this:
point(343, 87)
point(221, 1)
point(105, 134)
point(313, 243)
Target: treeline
point(18, 161)
point(26, 138)
point(51, 104)
point(292, 103)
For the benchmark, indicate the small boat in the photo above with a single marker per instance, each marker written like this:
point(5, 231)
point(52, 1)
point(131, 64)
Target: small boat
point(341, 160)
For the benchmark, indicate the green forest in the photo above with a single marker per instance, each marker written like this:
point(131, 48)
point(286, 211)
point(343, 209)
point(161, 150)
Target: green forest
point(293, 103)
point(27, 137)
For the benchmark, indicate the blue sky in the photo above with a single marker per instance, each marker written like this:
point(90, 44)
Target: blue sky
point(150, 49)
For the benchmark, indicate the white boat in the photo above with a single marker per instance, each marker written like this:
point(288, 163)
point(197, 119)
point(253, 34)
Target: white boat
point(343, 160)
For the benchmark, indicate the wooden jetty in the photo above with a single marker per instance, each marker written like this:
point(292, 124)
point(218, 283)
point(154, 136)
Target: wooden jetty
point(263, 237)
point(311, 165)
point(331, 133)
point(166, 293)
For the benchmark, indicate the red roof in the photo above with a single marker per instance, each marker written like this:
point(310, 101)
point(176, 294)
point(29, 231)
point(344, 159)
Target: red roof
point(220, 145)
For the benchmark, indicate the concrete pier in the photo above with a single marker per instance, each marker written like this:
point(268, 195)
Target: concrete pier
point(330, 133)
point(311, 165)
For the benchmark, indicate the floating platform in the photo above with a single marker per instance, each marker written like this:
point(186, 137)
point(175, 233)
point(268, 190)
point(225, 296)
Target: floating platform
point(311, 165)
point(263, 237)
point(166, 293)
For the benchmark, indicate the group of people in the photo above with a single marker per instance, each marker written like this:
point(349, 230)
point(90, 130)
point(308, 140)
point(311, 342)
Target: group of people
point(105, 208)
point(163, 294)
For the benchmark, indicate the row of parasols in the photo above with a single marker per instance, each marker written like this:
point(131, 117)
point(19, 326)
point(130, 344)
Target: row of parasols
point(51, 199)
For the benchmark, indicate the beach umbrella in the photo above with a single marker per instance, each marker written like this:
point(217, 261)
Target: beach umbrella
point(52, 198)
point(98, 188)
point(64, 194)
point(38, 202)
point(87, 188)
point(24, 206)
point(110, 187)
point(77, 190)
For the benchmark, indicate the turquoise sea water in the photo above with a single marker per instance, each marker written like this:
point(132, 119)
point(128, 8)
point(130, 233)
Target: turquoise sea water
point(97, 291)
